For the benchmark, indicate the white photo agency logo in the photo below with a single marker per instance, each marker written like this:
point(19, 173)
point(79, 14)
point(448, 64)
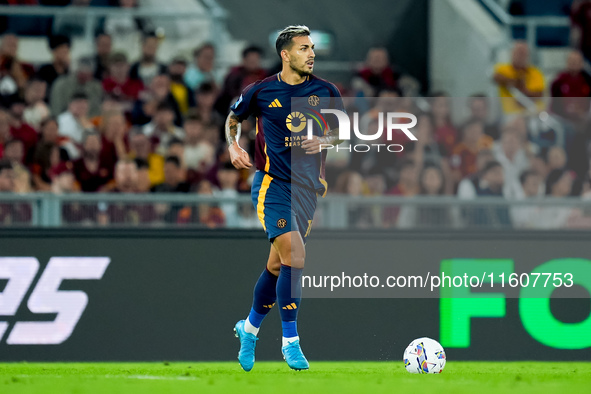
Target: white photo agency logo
point(388, 123)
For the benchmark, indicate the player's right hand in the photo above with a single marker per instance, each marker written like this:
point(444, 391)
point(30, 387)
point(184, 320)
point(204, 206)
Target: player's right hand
point(239, 157)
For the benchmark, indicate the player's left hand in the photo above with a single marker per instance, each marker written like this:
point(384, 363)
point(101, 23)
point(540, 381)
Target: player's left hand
point(312, 146)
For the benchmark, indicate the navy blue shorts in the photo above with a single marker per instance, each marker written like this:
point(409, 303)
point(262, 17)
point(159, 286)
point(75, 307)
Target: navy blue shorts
point(282, 207)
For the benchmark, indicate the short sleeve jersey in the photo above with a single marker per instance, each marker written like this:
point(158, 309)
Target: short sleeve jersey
point(282, 125)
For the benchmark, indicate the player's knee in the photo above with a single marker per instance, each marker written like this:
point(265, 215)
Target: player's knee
point(274, 267)
point(297, 261)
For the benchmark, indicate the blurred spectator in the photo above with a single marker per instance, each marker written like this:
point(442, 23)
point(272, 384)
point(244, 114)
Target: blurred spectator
point(558, 184)
point(120, 84)
point(14, 150)
point(158, 93)
point(161, 129)
point(22, 179)
point(6, 177)
point(74, 123)
point(490, 185)
point(49, 133)
point(377, 74)
point(581, 26)
point(468, 185)
point(182, 94)
point(36, 109)
point(205, 97)
point(431, 183)
point(203, 68)
point(80, 82)
point(60, 53)
point(126, 181)
point(174, 181)
point(148, 66)
point(141, 149)
point(46, 157)
point(509, 152)
point(104, 45)
point(479, 105)
point(20, 130)
point(426, 150)
point(126, 177)
point(199, 154)
point(4, 129)
point(521, 75)
point(407, 184)
point(62, 179)
point(556, 158)
point(228, 178)
point(205, 214)
point(143, 174)
point(526, 216)
point(12, 213)
point(176, 148)
point(352, 184)
point(571, 90)
point(463, 160)
point(446, 134)
point(14, 74)
point(90, 173)
point(538, 164)
point(240, 77)
point(113, 135)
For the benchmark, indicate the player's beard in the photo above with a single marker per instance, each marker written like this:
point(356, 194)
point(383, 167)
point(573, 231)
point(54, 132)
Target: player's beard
point(302, 71)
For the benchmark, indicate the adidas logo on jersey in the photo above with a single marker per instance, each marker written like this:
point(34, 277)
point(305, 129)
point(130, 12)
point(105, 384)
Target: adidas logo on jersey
point(275, 103)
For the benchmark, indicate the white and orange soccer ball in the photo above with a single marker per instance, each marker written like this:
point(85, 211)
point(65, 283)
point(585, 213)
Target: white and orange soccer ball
point(424, 355)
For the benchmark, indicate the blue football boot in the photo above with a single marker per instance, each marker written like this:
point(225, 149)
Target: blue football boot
point(292, 353)
point(247, 345)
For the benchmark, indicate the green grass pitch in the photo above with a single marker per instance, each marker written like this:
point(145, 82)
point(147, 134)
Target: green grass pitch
point(276, 378)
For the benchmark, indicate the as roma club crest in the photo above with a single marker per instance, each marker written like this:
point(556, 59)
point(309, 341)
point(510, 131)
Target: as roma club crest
point(314, 100)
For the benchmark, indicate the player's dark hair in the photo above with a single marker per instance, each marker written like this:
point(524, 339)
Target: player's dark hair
point(285, 36)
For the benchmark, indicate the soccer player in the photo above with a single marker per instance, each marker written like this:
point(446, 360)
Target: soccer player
point(286, 184)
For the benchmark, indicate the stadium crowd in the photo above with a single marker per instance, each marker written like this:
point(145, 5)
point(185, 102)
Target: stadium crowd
point(111, 124)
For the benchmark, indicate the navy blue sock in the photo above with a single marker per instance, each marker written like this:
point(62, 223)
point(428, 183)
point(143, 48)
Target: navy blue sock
point(289, 295)
point(263, 298)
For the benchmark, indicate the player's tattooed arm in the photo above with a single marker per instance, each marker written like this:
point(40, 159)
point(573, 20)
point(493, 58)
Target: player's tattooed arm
point(316, 144)
point(238, 156)
point(233, 129)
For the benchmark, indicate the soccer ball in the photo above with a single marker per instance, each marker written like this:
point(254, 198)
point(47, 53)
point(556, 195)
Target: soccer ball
point(424, 355)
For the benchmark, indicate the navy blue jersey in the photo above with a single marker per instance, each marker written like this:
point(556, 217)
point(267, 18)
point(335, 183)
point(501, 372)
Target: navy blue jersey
point(280, 128)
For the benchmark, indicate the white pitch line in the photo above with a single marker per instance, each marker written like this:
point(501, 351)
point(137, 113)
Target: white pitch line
point(139, 377)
